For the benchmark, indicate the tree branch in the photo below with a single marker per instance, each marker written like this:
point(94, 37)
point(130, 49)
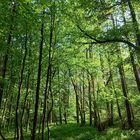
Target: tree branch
point(96, 41)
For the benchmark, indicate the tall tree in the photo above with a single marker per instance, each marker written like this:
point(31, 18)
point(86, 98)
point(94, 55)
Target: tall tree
point(38, 82)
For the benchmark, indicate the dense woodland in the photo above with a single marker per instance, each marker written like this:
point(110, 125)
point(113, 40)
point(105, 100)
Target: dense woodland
point(70, 67)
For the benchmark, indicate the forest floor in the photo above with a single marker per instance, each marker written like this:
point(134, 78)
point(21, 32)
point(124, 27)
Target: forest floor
point(75, 132)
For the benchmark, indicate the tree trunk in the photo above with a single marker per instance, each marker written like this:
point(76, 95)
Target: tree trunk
point(135, 70)
point(60, 116)
point(125, 93)
point(109, 105)
point(51, 107)
point(48, 78)
point(94, 104)
point(77, 100)
point(83, 101)
point(24, 105)
point(118, 106)
point(132, 54)
point(19, 90)
point(135, 24)
point(38, 86)
point(89, 98)
point(45, 94)
point(28, 117)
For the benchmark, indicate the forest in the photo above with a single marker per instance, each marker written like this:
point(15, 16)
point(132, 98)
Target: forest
point(70, 70)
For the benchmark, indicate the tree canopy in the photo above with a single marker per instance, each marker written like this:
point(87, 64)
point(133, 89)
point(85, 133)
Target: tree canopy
point(69, 61)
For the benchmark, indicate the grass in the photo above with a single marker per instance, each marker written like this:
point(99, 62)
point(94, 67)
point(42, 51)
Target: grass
point(75, 132)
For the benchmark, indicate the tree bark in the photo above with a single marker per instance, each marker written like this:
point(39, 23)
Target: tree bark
point(135, 70)
point(19, 90)
point(135, 23)
point(96, 122)
point(132, 54)
point(90, 104)
point(38, 85)
point(24, 105)
point(4, 68)
point(125, 92)
point(48, 78)
point(77, 100)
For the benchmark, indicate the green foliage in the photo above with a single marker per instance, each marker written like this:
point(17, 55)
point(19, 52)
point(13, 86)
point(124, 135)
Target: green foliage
point(80, 64)
point(75, 132)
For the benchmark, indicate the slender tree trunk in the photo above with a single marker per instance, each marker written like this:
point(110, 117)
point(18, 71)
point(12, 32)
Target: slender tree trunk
point(51, 107)
point(5, 65)
point(38, 85)
point(39, 130)
point(11, 96)
point(77, 105)
point(99, 124)
point(77, 100)
point(132, 54)
point(45, 96)
point(90, 104)
point(135, 23)
point(28, 117)
point(24, 105)
point(60, 116)
point(4, 68)
point(81, 109)
point(48, 78)
point(118, 106)
point(89, 55)
point(125, 92)
point(9, 112)
point(83, 100)
point(135, 70)
point(94, 104)
point(124, 84)
point(4, 112)
point(109, 83)
point(19, 90)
